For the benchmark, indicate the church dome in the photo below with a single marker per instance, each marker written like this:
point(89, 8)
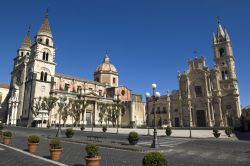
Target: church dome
point(106, 66)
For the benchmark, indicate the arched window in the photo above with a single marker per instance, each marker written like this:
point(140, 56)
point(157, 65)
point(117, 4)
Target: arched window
point(45, 76)
point(47, 42)
point(41, 76)
point(123, 92)
point(224, 75)
point(44, 56)
point(114, 80)
point(47, 56)
point(222, 52)
point(21, 54)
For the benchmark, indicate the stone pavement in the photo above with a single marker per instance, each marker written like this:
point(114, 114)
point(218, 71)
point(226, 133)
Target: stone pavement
point(178, 151)
point(10, 157)
point(196, 133)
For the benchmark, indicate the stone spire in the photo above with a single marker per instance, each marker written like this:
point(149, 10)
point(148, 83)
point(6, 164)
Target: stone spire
point(227, 36)
point(220, 31)
point(45, 27)
point(27, 41)
point(214, 38)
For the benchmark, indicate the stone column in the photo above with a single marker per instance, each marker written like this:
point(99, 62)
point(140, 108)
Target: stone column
point(220, 112)
point(190, 113)
point(209, 114)
point(95, 113)
point(9, 112)
point(180, 112)
point(212, 113)
point(168, 111)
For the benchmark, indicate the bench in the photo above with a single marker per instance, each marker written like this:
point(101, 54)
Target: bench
point(95, 138)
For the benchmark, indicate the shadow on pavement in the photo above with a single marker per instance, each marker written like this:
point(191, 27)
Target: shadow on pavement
point(78, 165)
point(243, 135)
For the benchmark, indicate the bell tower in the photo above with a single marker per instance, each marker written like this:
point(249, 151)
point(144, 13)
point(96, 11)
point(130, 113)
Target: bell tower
point(225, 63)
point(40, 69)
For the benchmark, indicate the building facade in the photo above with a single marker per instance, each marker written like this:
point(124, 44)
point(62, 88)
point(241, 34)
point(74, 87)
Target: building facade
point(206, 97)
point(34, 75)
point(4, 91)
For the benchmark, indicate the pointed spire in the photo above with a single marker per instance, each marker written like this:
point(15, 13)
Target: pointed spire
point(27, 41)
point(220, 31)
point(214, 38)
point(45, 27)
point(227, 36)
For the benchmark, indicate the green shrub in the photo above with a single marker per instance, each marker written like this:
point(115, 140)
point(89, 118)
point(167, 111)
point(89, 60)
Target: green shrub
point(48, 126)
point(7, 134)
point(92, 150)
point(229, 131)
point(104, 128)
point(55, 144)
point(216, 132)
point(69, 132)
point(168, 131)
point(33, 139)
point(133, 135)
point(154, 159)
point(82, 127)
point(1, 126)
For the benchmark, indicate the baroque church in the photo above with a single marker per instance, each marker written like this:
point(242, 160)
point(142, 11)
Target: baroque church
point(34, 75)
point(206, 97)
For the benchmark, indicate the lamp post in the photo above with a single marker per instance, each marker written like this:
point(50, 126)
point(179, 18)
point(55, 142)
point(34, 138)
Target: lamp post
point(147, 114)
point(61, 103)
point(155, 96)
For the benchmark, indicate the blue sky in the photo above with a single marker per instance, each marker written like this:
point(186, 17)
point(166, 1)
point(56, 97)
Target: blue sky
point(148, 40)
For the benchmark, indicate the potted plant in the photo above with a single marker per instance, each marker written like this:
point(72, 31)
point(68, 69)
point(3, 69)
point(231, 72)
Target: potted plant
point(168, 131)
point(154, 159)
point(7, 137)
point(82, 127)
point(55, 149)
point(69, 132)
point(216, 133)
point(33, 142)
point(92, 158)
point(133, 138)
point(229, 131)
point(104, 128)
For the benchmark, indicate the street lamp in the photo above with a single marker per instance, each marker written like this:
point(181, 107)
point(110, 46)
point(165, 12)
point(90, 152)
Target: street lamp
point(62, 102)
point(155, 96)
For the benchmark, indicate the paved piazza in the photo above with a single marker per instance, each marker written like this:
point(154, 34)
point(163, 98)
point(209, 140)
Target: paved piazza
point(178, 151)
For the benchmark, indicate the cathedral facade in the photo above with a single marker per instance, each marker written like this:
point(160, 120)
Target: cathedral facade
point(206, 97)
point(34, 75)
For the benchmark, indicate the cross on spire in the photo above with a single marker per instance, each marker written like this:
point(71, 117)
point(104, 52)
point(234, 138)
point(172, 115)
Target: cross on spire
point(218, 19)
point(47, 12)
